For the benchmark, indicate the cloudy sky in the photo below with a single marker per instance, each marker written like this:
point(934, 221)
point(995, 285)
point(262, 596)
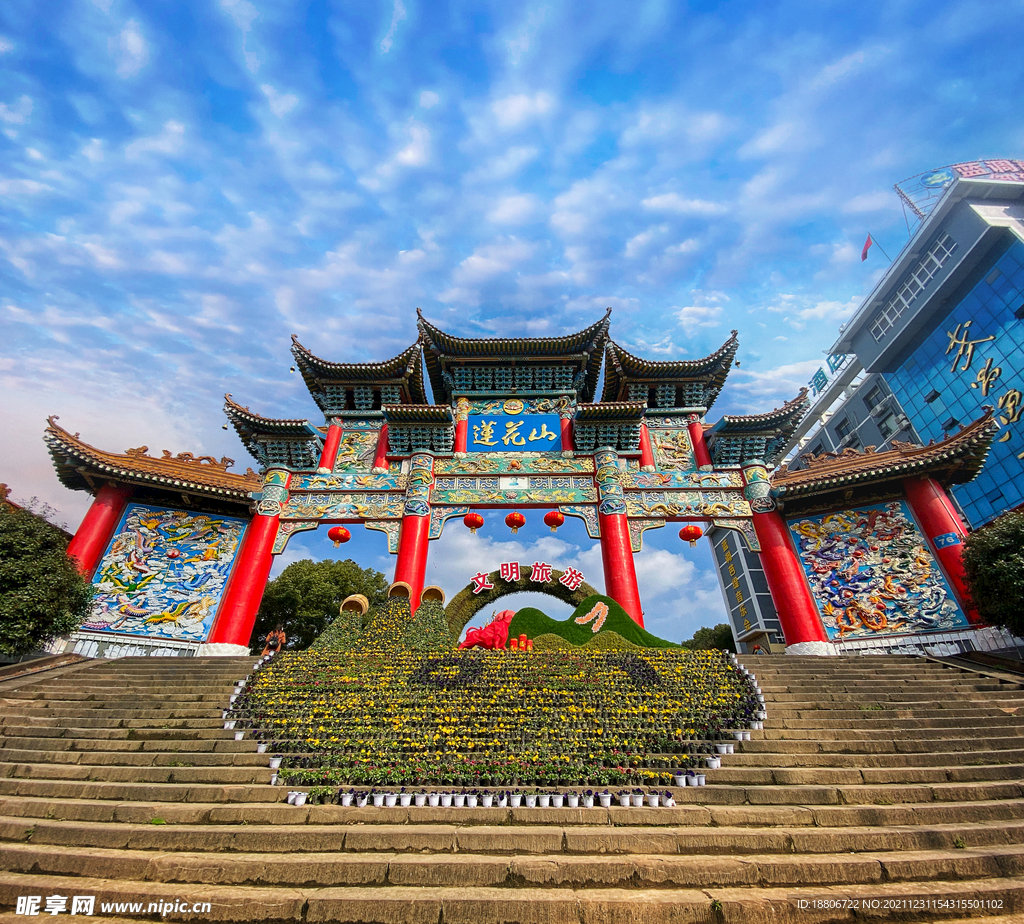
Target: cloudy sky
point(185, 184)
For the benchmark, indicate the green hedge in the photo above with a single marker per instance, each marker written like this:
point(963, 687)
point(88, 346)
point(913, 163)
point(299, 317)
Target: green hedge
point(533, 623)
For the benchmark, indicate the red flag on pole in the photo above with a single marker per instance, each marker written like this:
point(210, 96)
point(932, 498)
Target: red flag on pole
point(867, 247)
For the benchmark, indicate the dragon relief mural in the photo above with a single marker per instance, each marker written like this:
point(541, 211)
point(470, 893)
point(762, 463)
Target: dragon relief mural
point(164, 572)
point(872, 573)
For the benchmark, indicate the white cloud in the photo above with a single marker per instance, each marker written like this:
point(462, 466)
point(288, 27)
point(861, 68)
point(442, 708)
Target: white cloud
point(694, 317)
point(397, 16)
point(513, 111)
point(673, 202)
point(18, 113)
point(131, 48)
point(244, 14)
point(690, 245)
point(280, 103)
point(417, 152)
point(169, 141)
point(6, 45)
point(429, 99)
point(514, 210)
point(490, 260)
point(830, 310)
point(503, 166)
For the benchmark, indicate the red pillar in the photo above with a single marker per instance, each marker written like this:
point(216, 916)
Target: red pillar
point(244, 591)
point(412, 556)
point(380, 459)
point(945, 532)
point(566, 423)
point(700, 448)
point(330, 454)
point(461, 435)
point(646, 453)
point(101, 519)
point(787, 582)
point(619, 570)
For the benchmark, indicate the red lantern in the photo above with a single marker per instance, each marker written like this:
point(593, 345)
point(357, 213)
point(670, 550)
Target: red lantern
point(173, 553)
point(474, 521)
point(554, 519)
point(514, 520)
point(338, 535)
point(691, 533)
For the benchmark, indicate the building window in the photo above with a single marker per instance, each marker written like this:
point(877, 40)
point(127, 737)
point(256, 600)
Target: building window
point(915, 283)
point(844, 428)
point(874, 397)
point(887, 425)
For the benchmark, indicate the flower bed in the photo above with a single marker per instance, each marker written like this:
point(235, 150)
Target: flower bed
point(384, 716)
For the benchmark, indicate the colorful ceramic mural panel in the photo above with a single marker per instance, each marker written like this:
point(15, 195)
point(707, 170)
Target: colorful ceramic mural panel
point(164, 573)
point(872, 573)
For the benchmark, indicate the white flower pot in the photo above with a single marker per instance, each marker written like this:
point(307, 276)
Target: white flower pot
point(446, 800)
point(433, 799)
point(275, 762)
point(669, 802)
point(346, 798)
point(557, 799)
point(232, 698)
point(637, 801)
point(361, 800)
point(273, 779)
point(605, 801)
point(531, 801)
point(224, 713)
point(680, 779)
point(420, 799)
point(652, 800)
point(405, 799)
point(722, 748)
point(713, 762)
point(390, 799)
point(261, 749)
point(239, 735)
point(300, 798)
point(516, 799)
point(502, 801)
point(471, 801)
point(730, 748)
point(588, 801)
point(487, 800)
point(746, 736)
point(291, 797)
point(544, 800)
point(230, 724)
point(691, 781)
point(460, 800)
point(238, 691)
point(624, 801)
point(378, 799)
point(701, 779)
point(738, 735)
point(572, 800)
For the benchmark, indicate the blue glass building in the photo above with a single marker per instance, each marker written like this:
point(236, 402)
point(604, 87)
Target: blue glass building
point(944, 327)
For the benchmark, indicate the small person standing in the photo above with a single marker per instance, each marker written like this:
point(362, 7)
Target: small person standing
point(275, 640)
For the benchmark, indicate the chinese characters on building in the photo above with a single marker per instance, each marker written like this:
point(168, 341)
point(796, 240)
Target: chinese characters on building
point(528, 433)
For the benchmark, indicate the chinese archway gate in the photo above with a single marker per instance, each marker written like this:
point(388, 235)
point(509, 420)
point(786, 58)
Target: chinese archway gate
point(514, 423)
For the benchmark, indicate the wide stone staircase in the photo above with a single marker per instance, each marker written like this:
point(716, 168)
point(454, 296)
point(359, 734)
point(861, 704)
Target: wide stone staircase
point(882, 788)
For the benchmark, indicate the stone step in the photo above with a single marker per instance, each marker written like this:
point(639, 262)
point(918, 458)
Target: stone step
point(135, 743)
point(458, 904)
point(18, 722)
point(636, 871)
point(136, 758)
point(141, 734)
point(135, 774)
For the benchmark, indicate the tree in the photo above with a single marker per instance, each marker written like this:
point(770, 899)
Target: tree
point(42, 595)
point(307, 595)
point(705, 639)
point(994, 565)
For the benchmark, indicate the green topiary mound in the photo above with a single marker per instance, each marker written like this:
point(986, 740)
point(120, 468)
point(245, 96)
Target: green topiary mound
point(342, 634)
point(390, 628)
point(578, 629)
point(603, 641)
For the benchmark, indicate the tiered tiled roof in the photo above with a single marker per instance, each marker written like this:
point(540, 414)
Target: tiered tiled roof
point(582, 350)
point(253, 429)
point(956, 460)
point(418, 413)
point(613, 411)
point(623, 368)
point(404, 370)
point(781, 420)
point(82, 467)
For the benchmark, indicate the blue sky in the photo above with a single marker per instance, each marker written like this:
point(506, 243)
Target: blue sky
point(185, 184)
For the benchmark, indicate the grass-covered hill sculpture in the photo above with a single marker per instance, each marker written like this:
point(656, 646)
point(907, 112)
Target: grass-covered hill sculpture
point(396, 703)
point(587, 626)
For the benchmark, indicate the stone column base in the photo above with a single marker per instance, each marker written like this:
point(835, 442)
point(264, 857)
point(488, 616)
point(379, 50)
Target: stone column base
point(821, 649)
point(222, 650)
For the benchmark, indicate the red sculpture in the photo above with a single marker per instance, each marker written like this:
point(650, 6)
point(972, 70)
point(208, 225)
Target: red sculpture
point(494, 635)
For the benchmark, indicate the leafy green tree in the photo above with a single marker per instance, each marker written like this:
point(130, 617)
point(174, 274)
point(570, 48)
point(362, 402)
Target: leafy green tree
point(42, 595)
point(704, 639)
point(307, 595)
point(994, 565)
